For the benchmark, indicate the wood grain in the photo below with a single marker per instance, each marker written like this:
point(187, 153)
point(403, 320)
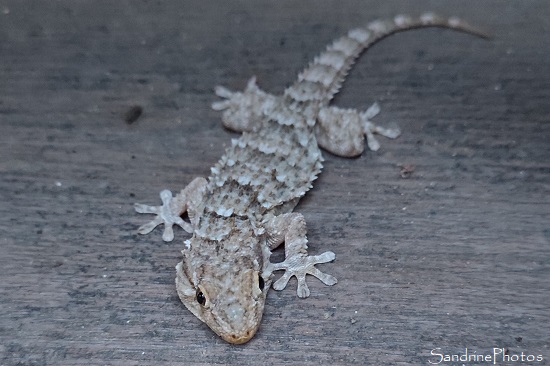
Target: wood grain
point(456, 256)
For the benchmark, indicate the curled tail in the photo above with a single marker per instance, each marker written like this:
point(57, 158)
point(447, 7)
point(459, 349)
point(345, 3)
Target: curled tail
point(323, 78)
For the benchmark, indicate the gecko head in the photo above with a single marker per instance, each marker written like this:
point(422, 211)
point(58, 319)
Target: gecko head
point(225, 292)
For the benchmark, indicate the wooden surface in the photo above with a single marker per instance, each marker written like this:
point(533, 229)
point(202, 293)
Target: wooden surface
point(455, 256)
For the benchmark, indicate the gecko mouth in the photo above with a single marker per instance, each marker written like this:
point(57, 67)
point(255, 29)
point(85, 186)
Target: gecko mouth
point(239, 338)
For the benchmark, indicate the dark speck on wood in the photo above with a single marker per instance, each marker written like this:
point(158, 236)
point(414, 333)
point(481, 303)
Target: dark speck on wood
point(133, 113)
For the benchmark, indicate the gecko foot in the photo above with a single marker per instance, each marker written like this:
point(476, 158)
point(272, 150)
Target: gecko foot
point(167, 214)
point(370, 128)
point(234, 99)
point(299, 266)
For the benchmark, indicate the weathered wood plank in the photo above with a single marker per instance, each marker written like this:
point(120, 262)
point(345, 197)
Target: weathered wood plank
point(455, 256)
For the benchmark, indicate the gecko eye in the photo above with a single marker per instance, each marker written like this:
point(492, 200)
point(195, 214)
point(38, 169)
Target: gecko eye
point(201, 299)
point(261, 282)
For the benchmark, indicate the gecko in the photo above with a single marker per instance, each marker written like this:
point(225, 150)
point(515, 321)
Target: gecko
point(244, 209)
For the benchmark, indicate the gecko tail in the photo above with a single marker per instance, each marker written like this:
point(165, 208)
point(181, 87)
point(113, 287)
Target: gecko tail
point(324, 77)
point(454, 23)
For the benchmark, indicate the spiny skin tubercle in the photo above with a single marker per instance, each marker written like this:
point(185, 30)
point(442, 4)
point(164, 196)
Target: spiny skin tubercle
point(244, 209)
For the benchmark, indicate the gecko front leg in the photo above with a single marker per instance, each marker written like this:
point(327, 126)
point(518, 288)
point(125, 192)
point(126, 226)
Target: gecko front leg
point(172, 208)
point(290, 228)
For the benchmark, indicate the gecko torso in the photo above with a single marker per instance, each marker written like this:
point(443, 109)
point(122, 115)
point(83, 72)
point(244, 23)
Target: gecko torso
point(244, 209)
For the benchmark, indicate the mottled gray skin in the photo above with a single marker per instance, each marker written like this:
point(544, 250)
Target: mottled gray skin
point(244, 209)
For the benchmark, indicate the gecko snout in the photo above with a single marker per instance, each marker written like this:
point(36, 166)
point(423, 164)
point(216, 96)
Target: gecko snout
point(240, 338)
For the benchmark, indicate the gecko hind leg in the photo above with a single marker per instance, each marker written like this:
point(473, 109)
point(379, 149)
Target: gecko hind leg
point(242, 110)
point(290, 228)
point(343, 131)
point(172, 208)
